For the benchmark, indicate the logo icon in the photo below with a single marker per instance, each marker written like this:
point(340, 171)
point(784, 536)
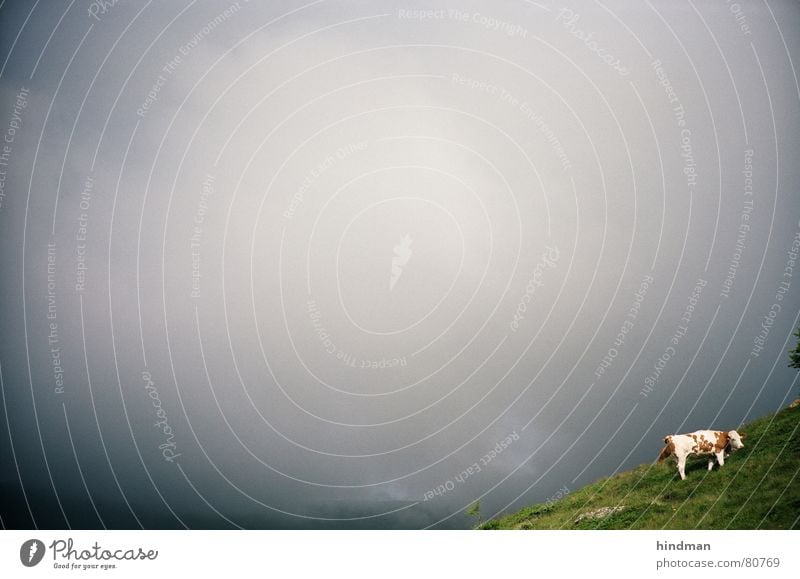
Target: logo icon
point(31, 552)
point(402, 253)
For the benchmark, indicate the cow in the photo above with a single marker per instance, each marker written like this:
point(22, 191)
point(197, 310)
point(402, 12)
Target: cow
point(700, 442)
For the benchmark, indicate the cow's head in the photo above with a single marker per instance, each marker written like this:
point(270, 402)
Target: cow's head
point(735, 439)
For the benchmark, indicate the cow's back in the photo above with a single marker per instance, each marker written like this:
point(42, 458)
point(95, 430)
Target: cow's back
point(708, 441)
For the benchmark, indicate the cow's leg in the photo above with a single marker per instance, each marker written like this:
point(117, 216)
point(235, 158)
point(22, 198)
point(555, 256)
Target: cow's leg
point(721, 457)
point(682, 466)
point(711, 464)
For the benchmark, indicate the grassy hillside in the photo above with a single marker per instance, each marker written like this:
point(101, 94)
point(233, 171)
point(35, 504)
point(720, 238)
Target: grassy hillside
point(758, 488)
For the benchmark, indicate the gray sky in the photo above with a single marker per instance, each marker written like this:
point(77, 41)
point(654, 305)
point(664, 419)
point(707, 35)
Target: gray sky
point(358, 264)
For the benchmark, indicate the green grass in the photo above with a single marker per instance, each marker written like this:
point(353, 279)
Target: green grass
point(758, 488)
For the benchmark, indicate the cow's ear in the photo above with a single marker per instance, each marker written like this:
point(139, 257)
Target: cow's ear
point(742, 435)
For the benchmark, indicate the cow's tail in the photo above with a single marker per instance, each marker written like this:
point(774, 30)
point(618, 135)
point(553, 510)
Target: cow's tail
point(667, 450)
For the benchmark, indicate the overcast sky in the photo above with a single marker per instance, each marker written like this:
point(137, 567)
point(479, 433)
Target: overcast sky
point(340, 264)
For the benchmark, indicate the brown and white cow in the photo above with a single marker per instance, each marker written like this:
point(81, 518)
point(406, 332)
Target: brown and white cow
point(700, 442)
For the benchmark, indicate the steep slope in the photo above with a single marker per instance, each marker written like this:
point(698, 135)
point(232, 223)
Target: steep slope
point(758, 488)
